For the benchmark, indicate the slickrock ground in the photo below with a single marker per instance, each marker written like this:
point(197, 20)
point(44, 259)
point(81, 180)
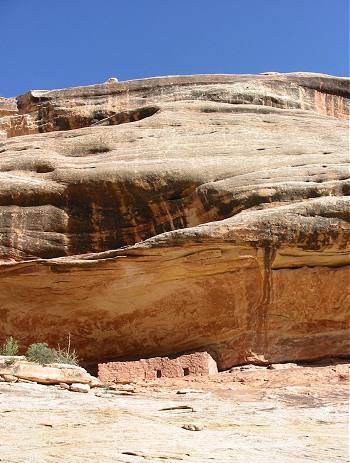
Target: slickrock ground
point(175, 214)
point(296, 414)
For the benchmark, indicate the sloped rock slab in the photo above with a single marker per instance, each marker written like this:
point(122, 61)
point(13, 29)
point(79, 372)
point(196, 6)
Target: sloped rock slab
point(48, 374)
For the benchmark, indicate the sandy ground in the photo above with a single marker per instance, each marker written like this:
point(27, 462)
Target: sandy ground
point(249, 415)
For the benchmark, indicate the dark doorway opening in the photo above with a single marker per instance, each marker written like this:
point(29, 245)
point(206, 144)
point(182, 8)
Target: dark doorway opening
point(186, 371)
point(159, 373)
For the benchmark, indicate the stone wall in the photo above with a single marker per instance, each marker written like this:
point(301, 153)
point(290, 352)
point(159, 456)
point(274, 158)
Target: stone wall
point(197, 364)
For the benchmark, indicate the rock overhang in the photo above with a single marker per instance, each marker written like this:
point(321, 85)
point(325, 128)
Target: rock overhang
point(182, 188)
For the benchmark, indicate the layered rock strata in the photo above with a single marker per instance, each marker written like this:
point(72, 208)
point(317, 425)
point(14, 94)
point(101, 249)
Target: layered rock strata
point(176, 214)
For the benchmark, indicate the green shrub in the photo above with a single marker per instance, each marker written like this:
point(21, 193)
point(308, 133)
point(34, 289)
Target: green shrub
point(10, 347)
point(40, 352)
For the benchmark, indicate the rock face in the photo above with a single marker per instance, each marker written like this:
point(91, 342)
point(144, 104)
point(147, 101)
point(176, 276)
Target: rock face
point(172, 214)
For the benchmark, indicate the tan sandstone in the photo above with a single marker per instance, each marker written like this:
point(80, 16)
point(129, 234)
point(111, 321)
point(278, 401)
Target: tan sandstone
point(46, 374)
point(176, 214)
point(293, 415)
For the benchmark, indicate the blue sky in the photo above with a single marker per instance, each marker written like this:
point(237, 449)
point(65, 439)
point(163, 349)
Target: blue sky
point(48, 44)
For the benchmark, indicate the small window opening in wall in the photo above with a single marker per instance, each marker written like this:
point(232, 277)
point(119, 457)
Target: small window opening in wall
point(186, 371)
point(159, 373)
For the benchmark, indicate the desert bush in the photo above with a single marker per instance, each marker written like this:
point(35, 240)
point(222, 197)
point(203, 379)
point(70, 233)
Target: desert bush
point(40, 352)
point(10, 347)
point(66, 355)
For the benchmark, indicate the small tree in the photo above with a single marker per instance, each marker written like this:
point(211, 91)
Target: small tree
point(10, 347)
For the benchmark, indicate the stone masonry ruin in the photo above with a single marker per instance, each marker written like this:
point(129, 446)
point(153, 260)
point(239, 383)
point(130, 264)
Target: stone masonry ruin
point(196, 364)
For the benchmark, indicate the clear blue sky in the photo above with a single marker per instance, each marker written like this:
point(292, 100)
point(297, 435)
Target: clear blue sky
point(48, 44)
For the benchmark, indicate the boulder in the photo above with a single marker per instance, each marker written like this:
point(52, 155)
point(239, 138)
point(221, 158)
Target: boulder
point(9, 378)
point(176, 214)
point(64, 386)
point(79, 387)
point(47, 374)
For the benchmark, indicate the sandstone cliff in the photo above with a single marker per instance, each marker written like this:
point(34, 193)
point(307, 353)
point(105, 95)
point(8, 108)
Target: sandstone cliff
point(172, 214)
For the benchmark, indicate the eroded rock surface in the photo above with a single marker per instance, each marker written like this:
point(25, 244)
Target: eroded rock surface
point(175, 214)
point(56, 373)
point(296, 415)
